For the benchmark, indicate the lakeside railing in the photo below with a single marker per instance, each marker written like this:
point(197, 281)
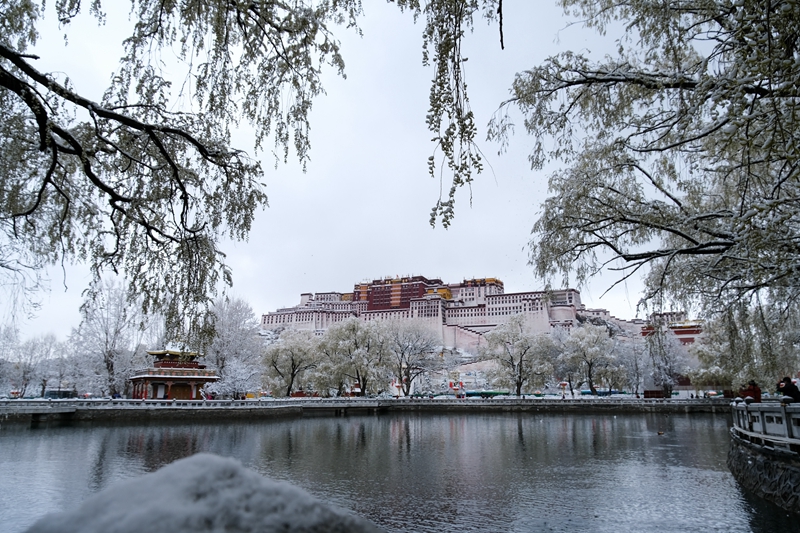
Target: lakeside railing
point(108, 403)
point(30, 405)
point(773, 425)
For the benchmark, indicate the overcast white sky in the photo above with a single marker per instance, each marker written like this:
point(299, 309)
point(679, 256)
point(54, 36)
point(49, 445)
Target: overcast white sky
point(361, 210)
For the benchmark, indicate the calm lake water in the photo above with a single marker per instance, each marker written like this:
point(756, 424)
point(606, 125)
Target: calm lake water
point(437, 473)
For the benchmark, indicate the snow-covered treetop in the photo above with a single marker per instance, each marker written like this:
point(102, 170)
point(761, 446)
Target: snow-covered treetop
point(679, 154)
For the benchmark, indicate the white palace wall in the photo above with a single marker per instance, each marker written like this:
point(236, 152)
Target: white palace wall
point(458, 322)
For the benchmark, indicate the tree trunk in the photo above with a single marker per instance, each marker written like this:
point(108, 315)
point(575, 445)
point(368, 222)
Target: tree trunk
point(109, 361)
point(590, 380)
point(362, 382)
point(289, 386)
point(406, 384)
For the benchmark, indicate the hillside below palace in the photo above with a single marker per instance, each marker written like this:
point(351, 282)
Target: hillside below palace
point(458, 313)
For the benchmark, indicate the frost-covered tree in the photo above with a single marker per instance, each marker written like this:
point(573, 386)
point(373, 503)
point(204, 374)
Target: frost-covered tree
point(133, 182)
point(585, 350)
point(633, 357)
point(747, 341)
point(109, 335)
point(61, 371)
point(413, 350)
point(329, 375)
point(523, 358)
point(29, 366)
point(54, 367)
point(565, 369)
point(65, 369)
point(5, 377)
point(90, 376)
point(613, 374)
point(667, 357)
point(236, 336)
point(678, 154)
point(288, 360)
point(145, 180)
point(240, 378)
point(354, 351)
point(9, 339)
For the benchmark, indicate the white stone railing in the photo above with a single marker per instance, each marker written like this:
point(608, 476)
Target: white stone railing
point(106, 403)
point(19, 405)
point(771, 424)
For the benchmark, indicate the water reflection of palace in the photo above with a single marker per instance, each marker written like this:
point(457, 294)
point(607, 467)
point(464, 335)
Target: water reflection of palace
point(174, 375)
point(429, 473)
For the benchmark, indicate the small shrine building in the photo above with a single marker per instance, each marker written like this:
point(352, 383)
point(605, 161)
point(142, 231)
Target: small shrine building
point(175, 375)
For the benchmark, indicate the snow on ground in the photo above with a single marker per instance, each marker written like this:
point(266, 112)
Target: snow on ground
point(202, 493)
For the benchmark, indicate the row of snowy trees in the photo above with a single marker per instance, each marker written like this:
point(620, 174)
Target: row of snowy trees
point(591, 354)
point(374, 353)
point(368, 353)
point(112, 341)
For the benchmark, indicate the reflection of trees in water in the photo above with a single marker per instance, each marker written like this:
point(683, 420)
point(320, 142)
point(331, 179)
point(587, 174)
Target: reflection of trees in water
point(391, 453)
point(100, 467)
point(440, 465)
point(310, 449)
point(156, 446)
point(368, 462)
point(507, 470)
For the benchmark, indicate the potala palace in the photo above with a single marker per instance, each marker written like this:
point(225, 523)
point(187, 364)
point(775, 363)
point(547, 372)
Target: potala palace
point(459, 313)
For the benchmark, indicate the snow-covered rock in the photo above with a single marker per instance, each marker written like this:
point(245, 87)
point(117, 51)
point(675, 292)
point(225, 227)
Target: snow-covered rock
point(202, 493)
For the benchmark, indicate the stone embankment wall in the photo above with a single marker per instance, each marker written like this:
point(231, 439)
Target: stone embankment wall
point(764, 454)
point(766, 472)
point(147, 415)
point(221, 413)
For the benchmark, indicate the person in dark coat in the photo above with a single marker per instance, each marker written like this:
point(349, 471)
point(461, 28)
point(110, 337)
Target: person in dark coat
point(787, 388)
point(752, 390)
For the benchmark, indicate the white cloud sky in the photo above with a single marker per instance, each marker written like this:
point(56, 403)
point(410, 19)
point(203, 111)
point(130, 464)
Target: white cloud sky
point(361, 210)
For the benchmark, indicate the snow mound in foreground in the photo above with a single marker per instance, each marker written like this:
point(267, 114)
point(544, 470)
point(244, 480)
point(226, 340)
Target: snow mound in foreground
point(202, 493)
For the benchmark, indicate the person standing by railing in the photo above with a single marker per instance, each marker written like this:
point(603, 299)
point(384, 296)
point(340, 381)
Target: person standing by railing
point(752, 390)
point(787, 388)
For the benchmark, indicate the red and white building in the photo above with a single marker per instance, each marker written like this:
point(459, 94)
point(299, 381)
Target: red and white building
point(174, 375)
point(459, 313)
